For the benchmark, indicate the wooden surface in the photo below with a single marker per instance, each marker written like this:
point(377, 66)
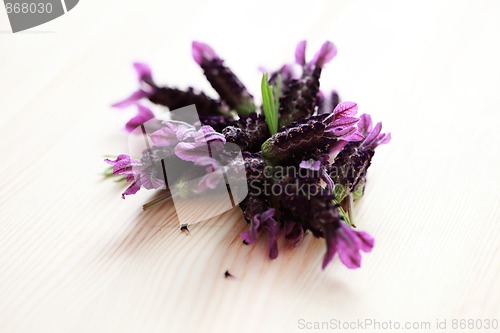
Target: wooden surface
point(75, 257)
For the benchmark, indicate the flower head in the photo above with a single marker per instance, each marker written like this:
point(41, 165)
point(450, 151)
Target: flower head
point(313, 135)
point(136, 173)
point(248, 132)
point(348, 243)
point(204, 142)
point(223, 80)
point(262, 220)
point(300, 96)
point(172, 133)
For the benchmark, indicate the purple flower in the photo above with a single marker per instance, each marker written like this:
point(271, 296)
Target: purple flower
point(300, 96)
point(146, 89)
point(248, 132)
point(373, 137)
point(203, 52)
point(191, 145)
point(136, 173)
point(172, 133)
point(211, 179)
point(348, 243)
point(170, 97)
point(143, 115)
point(313, 135)
point(264, 222)
point(223, 80)
point(203, 143)
point(310, 164)
point(321, 166)
point(124, 165)
point(340, 123)
point(355, 159)
point(297, 141)
point(326, 53)
point(311, 124)
point(300, 53)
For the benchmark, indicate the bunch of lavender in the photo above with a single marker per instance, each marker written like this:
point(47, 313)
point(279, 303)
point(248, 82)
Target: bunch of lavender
point(306, 155)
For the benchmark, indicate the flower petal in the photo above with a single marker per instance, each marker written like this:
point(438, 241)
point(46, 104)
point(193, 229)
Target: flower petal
point(207, 134)
point(324, 55)
point(144, 114)
point(131, 100)
point(143, 72)
point(132, 189)
point(300, 53)
point(173, 132)
point(331, 244)
point(209, 181)
point(348, 247)
point(344, 121)
point(372, 136)
point(345, 109)
point(366, 241)
point(365, 124)
point(203, 52)
point(310, 164)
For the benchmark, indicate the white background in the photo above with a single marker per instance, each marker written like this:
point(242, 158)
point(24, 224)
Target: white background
point(75, 257)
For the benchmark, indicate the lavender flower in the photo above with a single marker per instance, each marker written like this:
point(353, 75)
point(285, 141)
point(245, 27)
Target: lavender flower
point(222, 79)
point(321, 166)
point(248, 132)
point(373, 137)
point(351, 164)
point(320, 214)
point(135, 174)
point(172, 133)
point(313, 135)
point(261, 220)
point(302, 128)
point(144, 114)
point(300, 97)
point(172, 98)
point(203, 143)
point(348, 243)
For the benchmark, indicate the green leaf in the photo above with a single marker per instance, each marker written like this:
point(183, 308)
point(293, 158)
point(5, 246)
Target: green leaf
point(270, 103)
point(344, 214)
point(108, 172)
point(277, 93)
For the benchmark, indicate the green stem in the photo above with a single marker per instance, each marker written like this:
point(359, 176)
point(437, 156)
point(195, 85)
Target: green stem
point(344, 215)
point(157, 201)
